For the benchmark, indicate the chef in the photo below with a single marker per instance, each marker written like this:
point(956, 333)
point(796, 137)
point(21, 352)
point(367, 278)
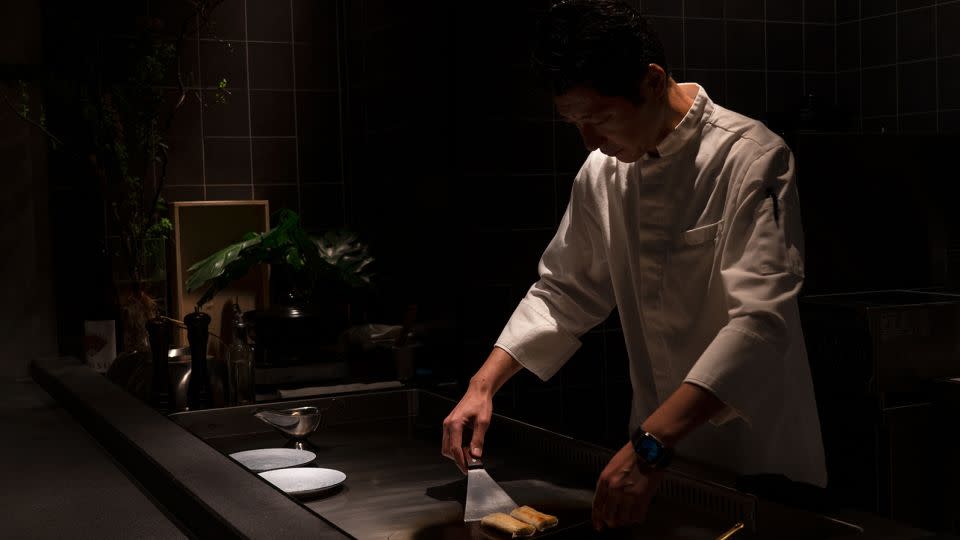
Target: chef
point(685, 218)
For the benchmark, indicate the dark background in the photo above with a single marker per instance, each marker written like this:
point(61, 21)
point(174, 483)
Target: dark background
point(418, 125)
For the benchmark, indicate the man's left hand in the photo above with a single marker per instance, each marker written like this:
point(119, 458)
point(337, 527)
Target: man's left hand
point(624, 490)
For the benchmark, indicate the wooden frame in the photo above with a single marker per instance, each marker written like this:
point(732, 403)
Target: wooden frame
point(199, 229)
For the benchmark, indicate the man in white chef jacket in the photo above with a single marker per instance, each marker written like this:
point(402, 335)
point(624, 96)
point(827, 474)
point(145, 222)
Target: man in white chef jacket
point(685, 218)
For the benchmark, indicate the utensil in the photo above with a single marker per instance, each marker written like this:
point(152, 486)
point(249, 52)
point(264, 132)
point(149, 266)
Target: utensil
point(265, 459)
point(298, 423)
point(304, 480)
point(733, 530)
point(484, 496)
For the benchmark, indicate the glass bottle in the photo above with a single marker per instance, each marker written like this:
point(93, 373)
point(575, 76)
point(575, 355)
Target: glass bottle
point(240, 363)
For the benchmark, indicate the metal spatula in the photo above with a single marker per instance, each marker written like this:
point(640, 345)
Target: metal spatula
point(484, 496)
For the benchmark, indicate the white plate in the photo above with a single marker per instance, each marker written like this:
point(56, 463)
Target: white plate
point(304, 480)
point(265, 459)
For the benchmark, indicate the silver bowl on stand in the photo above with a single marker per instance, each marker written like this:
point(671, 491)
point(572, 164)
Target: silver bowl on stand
point(298, 423)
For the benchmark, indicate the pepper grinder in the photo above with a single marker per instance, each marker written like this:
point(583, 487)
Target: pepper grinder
point(159, 332)
point(198, 331)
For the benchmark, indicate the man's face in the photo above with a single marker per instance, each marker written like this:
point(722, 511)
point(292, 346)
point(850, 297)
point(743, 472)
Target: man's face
point(615, 125)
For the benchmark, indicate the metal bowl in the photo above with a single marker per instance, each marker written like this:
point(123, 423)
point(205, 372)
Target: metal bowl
point(298, 423)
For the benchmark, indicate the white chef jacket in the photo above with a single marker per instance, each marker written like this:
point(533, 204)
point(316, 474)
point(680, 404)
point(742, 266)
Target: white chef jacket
point(701, 250)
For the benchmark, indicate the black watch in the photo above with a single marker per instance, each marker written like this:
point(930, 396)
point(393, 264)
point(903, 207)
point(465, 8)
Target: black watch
point(651, 450)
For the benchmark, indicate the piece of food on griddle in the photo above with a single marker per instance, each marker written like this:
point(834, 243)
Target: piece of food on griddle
point(510, 525)
point(530, 516)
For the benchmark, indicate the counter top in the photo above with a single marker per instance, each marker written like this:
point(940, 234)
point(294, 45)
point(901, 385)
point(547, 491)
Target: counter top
point(210, 495)
point(59, 482)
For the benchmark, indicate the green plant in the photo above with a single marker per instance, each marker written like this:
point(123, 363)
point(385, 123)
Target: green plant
point(113, 117)
point(319, 268)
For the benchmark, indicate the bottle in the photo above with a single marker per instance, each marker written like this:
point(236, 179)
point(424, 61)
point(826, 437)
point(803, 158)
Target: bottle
point(101, 316)
point(159, 331)
point(199, 394)
point(240, 363)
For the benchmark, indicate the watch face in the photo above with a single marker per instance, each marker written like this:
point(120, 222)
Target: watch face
point(648, 449)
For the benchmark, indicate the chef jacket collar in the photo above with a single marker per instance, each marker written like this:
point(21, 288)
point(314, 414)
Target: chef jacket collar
point(688, 127)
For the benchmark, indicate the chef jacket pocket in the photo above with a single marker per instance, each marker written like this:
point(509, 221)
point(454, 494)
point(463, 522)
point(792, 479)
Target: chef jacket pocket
point(699, 235)
point(687, 273)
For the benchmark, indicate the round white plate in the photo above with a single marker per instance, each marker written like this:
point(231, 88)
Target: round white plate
point(265, 459)
point(304, 480)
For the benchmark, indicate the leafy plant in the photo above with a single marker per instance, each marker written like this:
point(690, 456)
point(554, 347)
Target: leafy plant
point(113, 119)
point(329, 265)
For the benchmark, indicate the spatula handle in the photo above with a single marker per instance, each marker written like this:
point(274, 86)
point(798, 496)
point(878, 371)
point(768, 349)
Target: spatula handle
point(472, 462)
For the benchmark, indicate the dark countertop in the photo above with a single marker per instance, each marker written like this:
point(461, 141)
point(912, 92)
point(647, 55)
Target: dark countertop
point(59, 482)
point(211, 495)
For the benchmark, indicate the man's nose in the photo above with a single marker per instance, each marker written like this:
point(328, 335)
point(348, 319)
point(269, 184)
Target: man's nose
point(591, 139)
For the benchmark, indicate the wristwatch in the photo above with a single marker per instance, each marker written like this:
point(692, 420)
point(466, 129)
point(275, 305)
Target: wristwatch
point(650, 450)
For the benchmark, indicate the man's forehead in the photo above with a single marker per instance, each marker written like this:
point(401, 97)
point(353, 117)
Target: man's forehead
point(580, 102)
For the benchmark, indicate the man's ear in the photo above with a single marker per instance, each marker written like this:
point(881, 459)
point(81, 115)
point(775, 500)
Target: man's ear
point(656, 80)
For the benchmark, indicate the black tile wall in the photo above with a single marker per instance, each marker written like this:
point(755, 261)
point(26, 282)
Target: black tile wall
point(848, 10)
point(225, 113)
point(228, 21)
point(879, 95)
point(230, 193)
point(901, 53)
point(747, 92)
point(743, 9)
point(915, 4)
point(918, 87)
point(269, 20)
point(272, 113)
point(917, 35)
point(948, 19)
point(274, 161)
point(245, 131)
point(661, 7)
point(670, 32)
point(703, 47)
point(271, 65)
point(223, 60)
point(703, 8)
point(745, 40)
point(820, 11)
point(870, 8)
point(918, 123)
point(784, 46)
point(784, 10)
point(820, 49)
point(949, 71)
point(848, 46)
point(879, 38)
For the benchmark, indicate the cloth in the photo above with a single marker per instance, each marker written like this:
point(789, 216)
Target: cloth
point(700, 248)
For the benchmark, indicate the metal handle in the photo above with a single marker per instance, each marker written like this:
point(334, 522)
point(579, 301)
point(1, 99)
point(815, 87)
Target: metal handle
point(472, 462)
point(733, 530)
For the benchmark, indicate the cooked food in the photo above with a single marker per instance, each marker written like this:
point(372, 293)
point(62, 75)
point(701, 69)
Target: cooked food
point(510, 525)
point(530, 516)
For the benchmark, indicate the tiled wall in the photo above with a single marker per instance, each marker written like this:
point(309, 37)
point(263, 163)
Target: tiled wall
point(335, 109)
point(899, 64)
point(278, 132)
point(762, 58)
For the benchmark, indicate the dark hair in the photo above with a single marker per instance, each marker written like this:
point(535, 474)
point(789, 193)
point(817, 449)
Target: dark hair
point(603, 44)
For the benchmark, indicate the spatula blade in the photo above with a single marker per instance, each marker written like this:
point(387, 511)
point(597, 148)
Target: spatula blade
point(484, 496)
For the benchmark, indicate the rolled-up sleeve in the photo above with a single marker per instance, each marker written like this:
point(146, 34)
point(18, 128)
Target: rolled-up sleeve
point(761, 265)
point(573, 294)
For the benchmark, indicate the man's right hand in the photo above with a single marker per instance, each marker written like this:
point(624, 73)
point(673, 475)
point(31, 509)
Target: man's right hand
point(473, 412)
point(476, 408)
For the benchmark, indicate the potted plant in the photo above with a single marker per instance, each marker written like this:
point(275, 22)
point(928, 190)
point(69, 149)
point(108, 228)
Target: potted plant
point(112, 120)
point(316, 279)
